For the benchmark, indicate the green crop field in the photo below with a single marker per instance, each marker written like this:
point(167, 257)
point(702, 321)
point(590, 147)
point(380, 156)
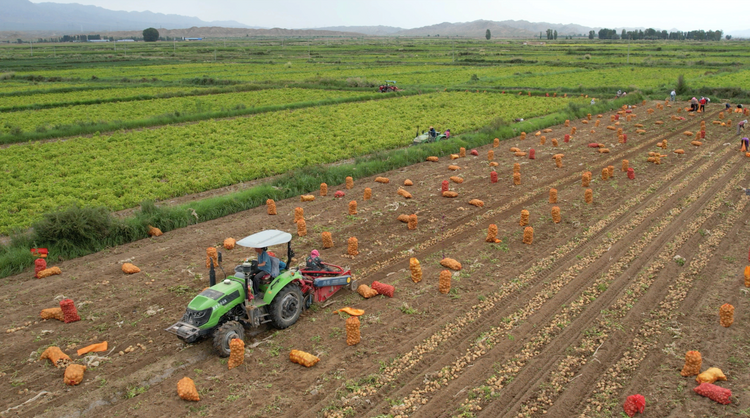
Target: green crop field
point(161, 120)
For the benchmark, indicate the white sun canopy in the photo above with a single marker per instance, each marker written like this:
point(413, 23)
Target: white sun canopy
point(266, 238)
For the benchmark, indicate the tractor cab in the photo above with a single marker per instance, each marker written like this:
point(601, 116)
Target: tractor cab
point(224, 309)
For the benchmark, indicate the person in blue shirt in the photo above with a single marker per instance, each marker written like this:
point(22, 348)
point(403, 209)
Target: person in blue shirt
point(264, 264)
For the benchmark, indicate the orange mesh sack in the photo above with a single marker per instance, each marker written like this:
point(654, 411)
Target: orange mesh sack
point(726, 315)
point(523, 136)
point(129, 268)
point(236, 353)
point(444, 283)
point(556, 218)
point(404, 193)
point(558, 162)
point(553, 195)
point(327, 239)
point(323, 189)
point(490, 155)
point(154, 231)
point(605, 173)
point(212, 256)
point(383, 180)
point(625, 164)
point(692, 365)
point(299, 213)
point(456, 179)
point(610, 171)
point(517, 179)
point(747, 276)
point(52, 313)
point(412, 222)
point(353, 207)
point(524, 218)
point(349, 182)
point(366, 291)
point(554, 142)
point(307, 198)
point(492, 234)
point(433, 159)
point(301, 228)
point(711, 375)
point(352, 246)
point(383, 289)
point(271, 207)
point(496, 142)
point(528, 235)
point(476, 202)
point(229, 243)
point(542, 140)
point(408, 182)
point(462, 152)
point(451, 264)
point(586, 179)
point(56, 356)
point(186, 390)
point(403, 218)
point(588, 196)
point(450, 194)
point(516, 168)
point(74, 374)
point(453, 167)
point(416, 270)
point(49, 272)
point(352, 330)
point(303, 358)
point(368, 193)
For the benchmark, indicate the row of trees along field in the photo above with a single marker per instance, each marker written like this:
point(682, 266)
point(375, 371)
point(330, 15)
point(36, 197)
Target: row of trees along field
point(696, 35)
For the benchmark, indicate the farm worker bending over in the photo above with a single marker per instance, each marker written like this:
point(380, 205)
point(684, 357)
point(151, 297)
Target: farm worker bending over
point(741, 126)
point(672, 95)
point(447, 133)
point(745, 144)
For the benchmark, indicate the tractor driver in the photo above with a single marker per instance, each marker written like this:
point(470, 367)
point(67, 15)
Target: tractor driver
point(264, 264)
point(433, 132)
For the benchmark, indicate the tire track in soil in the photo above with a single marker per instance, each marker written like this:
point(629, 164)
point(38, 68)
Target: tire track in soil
point(594, 267)
point(468, 325)
point(625, 363)
point(561, 374)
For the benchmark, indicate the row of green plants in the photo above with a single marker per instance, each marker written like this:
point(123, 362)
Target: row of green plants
point(121, 169)
point(51, 126)
point(142, 111)
point(77, 231)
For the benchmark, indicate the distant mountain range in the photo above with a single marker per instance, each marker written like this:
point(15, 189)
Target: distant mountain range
point(54, 19)
point(23, 15)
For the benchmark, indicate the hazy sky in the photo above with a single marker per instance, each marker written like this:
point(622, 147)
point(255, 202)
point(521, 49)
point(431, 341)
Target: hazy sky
point(292, 14)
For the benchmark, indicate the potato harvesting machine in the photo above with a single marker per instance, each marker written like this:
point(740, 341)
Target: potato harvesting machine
point(223, 310)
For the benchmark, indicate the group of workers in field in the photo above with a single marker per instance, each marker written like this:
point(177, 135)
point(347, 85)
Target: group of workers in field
point(699, 105)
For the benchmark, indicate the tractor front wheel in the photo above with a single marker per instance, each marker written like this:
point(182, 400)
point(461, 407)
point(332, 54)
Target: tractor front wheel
point(225, 334)
point(286, 307)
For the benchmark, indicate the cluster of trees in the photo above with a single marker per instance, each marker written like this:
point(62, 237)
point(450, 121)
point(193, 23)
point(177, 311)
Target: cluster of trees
point(698, 35)
point(551, 35)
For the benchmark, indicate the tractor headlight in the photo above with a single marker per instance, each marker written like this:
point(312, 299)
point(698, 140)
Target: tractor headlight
point(196, 318)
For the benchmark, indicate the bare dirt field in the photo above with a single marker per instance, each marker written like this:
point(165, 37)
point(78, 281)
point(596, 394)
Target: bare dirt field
point(600, 306)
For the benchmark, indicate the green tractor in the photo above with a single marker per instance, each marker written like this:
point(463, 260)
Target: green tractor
point(225, 309)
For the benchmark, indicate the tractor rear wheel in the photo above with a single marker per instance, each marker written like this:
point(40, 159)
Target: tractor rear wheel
point(286, 307)
point(225, 334)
